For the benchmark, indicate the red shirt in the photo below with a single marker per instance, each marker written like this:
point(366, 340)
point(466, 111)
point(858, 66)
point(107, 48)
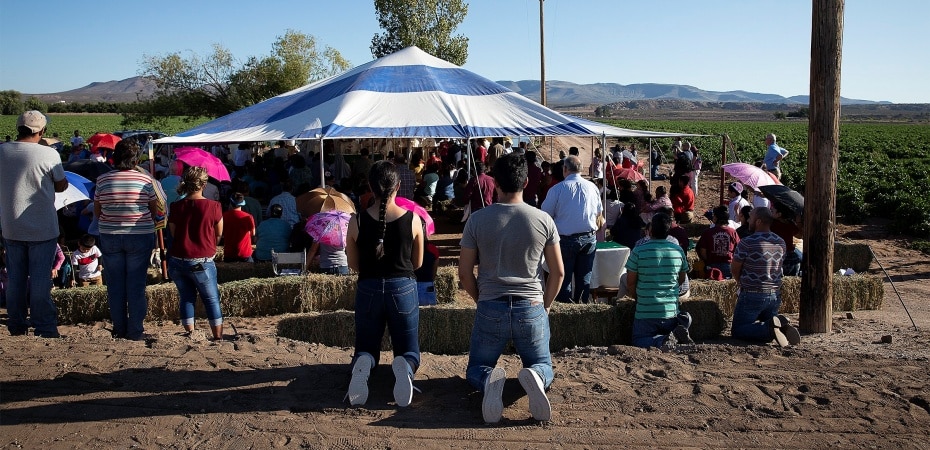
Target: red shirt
point(786, 231)
point(719, 243)
point(195, 227)
point(683, 201)
point(237, 234)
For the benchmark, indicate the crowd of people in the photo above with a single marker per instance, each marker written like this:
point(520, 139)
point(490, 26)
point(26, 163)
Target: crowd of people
point(549, 213)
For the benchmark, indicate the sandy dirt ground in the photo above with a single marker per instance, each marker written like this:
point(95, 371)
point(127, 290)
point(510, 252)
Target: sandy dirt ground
point(844, 389)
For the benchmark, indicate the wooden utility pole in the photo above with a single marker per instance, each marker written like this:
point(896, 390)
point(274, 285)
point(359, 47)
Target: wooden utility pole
point(823, 138)
point(542, 58)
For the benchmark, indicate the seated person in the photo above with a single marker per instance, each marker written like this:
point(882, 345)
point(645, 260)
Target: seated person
point(716, 245)
point(629, 226)
point(272, 234)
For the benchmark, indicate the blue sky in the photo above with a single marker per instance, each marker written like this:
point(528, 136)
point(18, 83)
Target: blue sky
point(755, 45)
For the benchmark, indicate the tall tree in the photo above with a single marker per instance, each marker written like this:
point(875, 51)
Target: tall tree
point(11, 102)
point(217, 84)
point(428, 24)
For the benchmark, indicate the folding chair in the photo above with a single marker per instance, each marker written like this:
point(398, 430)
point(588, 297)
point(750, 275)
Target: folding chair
point(284, 264)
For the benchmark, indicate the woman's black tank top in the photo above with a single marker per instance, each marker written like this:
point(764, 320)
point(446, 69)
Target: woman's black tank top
point(398, 247)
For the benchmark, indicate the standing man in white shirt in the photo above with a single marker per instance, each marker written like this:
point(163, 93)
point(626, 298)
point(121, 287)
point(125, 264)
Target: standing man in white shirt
point(575, 205)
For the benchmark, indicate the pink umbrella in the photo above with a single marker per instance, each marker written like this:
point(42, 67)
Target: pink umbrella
point(194, 156)
point(750, 175)
point(410, 205)
point(329, 227)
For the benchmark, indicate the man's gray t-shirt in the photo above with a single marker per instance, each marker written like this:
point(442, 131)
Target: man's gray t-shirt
point(510, 238)
point(27, 191)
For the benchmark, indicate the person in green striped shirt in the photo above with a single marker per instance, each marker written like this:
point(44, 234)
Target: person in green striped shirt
point(655, 269)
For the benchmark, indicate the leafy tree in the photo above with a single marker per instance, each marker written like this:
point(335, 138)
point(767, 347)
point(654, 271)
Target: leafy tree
point(428, 24)
point(33, 103)
point(216, 84)
point(11, 102)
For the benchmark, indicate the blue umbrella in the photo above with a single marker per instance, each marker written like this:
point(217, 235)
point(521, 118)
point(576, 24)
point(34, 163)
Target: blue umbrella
point(78, 190)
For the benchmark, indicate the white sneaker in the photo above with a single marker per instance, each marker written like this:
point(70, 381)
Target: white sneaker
point(540, 407)
point(492, 406)
point(403, 382)
point(358, 386)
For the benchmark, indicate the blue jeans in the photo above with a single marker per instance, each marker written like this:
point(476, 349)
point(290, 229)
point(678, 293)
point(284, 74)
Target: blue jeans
point(578, 259)
point(504, 319)
point(654, 332)
point(126, 262)
point(191, 278)
point(29, 287)
point(752, 314)
point(791, 265)
point(335, 270)
point(392, 302)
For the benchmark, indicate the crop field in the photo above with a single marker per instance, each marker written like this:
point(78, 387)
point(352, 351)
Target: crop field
point(884, 169)
point(65, 124)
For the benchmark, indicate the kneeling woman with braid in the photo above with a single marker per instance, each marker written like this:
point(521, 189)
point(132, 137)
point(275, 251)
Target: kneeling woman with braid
point(385, 246)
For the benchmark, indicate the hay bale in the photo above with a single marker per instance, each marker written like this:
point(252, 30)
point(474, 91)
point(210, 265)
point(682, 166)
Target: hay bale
point(261, 296)
point(858, 292)
point(849, 255)
point(320, 292)
point(695, 229)
point(81, 304)
point(446, 329)
point(721, 292)
point(849, 293)
point(226, 272)
point(447, 284)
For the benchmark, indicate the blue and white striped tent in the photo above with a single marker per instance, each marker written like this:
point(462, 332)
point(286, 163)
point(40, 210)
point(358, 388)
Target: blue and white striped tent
point(408, 94)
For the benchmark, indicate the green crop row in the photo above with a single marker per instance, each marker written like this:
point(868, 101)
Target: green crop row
point(88, 124)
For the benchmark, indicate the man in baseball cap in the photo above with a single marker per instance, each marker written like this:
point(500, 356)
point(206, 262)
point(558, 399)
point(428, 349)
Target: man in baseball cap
point(30, 176)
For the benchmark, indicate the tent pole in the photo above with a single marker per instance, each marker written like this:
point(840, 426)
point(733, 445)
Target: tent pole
point(604, 169)
point(649, 166)
point(322, 165)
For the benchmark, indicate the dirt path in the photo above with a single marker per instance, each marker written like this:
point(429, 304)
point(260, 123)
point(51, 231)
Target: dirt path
point(845, 389)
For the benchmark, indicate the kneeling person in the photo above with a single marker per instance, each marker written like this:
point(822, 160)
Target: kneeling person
point(655, 269)
point(511, 238)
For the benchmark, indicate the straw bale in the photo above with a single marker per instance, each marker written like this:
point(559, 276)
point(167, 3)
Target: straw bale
point(447, 284)
point(81, 304)
point(322, 292)
point(226, 272)
point(853, 293)
point(695, 229)
point(446, 329)
point(849, 255)
point(261, 296)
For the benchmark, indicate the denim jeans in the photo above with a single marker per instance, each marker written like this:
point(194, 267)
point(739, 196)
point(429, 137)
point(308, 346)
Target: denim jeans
point(29, 287)
point(725, 268)
point(578, 259)
point(126, 262)
point(652, 332)
point(504, 319)
point(335, 270)
point(191, 278)
point(752, 314)
point(392, 302)
point(791, 265)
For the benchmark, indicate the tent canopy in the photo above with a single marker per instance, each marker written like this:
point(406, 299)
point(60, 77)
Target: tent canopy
point(406, 94)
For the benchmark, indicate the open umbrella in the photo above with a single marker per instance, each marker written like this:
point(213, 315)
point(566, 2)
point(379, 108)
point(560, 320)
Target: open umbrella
point(630, 174)
point(78, 190)
point(103, 140)
point(410, 205)
point(329, 227)
point(195, 156)
point(323, 199)
point(88, 168)
point(783, 195)
point(750, 175)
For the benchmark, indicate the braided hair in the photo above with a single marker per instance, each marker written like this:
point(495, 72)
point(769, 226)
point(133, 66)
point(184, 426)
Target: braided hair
point(384, 180)
point(193, 180)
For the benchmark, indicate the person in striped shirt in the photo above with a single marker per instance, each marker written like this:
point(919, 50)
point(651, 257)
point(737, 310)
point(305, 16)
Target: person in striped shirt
point(124, 202)
point(757, 269)
point(655, 269)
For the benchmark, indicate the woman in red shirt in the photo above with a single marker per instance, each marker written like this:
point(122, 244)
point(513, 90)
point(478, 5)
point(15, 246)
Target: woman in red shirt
point(196, 224)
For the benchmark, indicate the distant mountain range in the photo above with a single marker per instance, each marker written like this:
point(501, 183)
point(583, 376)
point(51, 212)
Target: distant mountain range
point(558, 93)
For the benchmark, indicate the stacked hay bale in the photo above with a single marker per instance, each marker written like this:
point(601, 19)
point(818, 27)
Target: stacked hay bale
point(446, 329)
point(849, 293)
point(855, 256)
